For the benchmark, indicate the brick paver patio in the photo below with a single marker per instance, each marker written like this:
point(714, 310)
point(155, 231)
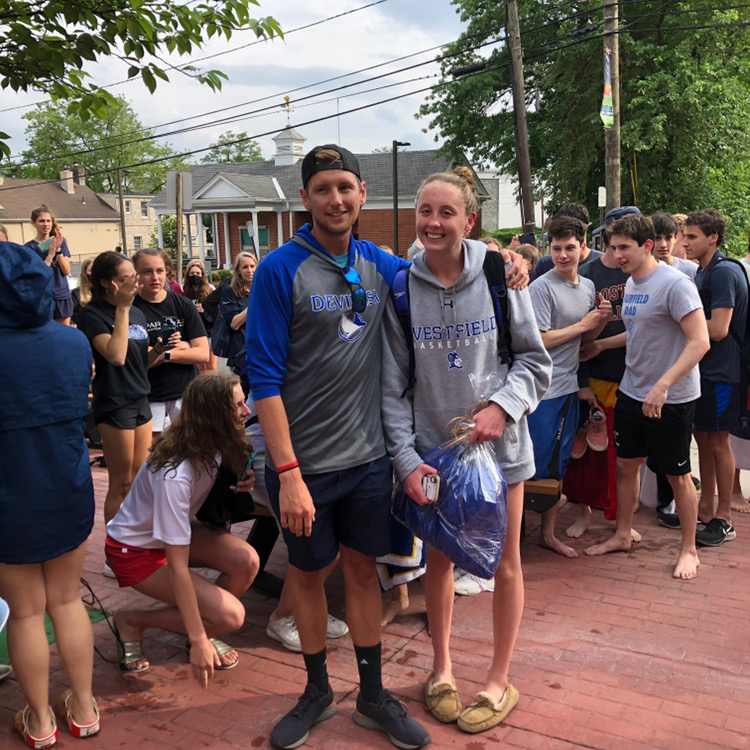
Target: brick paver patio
point(613, 654)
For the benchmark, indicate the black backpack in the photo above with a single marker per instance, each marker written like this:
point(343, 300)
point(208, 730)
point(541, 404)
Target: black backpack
point(743, 342)
point(494, 271)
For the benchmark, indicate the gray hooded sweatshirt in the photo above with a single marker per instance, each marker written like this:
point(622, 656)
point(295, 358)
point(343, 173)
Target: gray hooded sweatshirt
point(455, 335)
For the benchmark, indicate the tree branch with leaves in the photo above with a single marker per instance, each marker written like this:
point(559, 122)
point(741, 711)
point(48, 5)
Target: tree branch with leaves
point(44, 45)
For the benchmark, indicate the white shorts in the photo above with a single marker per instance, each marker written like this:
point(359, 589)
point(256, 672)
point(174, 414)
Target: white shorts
point(162, 413)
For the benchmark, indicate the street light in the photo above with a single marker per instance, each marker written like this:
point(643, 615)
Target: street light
point(396, 144)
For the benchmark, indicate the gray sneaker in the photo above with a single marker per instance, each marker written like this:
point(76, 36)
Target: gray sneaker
point(294, 728)
point(389, 716)
point(716, 532)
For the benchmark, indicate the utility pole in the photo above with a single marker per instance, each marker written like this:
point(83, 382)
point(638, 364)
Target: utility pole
point(612, 135)
point(123, 238)
point(178, 228)
point(513, 32)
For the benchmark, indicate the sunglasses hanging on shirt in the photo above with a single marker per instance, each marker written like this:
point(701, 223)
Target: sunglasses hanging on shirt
point(359, 296)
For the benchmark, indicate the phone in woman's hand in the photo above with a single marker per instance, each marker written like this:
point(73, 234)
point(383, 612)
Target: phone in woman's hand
point(248, 469)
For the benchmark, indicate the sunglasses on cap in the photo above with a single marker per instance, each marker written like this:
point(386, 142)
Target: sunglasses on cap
point(359, 296)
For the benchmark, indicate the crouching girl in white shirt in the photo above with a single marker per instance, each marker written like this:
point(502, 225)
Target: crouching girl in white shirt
point(154, 539)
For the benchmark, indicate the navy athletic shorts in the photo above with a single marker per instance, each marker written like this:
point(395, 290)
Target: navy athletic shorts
point(352, 507)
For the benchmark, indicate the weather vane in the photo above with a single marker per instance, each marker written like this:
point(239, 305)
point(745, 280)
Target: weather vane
point(288, 107)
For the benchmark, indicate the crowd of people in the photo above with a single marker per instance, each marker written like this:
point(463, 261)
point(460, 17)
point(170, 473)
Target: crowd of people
point(608, 358)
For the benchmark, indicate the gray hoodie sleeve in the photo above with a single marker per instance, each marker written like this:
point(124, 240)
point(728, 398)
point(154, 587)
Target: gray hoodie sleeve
point(530, 374)
point(398, 420)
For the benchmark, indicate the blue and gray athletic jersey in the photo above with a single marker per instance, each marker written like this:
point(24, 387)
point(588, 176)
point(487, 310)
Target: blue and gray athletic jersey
point(305, 343)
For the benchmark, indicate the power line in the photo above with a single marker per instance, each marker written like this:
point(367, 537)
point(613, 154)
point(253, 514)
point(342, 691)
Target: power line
point(541, 48)
point(300, 88)
point(86, 148)
point(267, 109)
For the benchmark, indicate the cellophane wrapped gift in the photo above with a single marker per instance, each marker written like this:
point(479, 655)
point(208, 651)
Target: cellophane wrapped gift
point(469, 520)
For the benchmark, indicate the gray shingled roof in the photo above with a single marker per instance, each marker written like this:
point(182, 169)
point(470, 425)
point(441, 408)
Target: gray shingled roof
point(19, 198)
point(376, 169)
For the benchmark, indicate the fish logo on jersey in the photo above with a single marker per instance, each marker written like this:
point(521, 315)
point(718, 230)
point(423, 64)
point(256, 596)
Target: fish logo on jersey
point(455, 362)
point(351, 326)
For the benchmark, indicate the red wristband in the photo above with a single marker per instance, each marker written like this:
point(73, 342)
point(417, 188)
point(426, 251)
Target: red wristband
point(287, 467)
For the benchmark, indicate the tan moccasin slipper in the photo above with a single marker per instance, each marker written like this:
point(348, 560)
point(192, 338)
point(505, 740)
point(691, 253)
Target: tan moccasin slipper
point(442, 700)
point(484, 713)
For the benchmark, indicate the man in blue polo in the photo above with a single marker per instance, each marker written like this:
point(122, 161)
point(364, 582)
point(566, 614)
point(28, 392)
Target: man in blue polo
point(314, 351)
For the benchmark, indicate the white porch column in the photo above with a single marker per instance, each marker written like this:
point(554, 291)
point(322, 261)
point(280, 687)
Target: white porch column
point(159, 230)
point(256, 235)
point(279, 229)
point(227, 249)
point(199, 230)
point(188, 238)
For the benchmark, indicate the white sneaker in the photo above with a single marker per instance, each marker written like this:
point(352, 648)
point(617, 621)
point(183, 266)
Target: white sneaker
point(336, 628)
point(469, 584)
point(107, 571)
point(285, 631)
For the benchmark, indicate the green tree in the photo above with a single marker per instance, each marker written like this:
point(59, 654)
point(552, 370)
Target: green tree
point(233, 147)
point(101, 145)
point(45, 45)
point(685, 102)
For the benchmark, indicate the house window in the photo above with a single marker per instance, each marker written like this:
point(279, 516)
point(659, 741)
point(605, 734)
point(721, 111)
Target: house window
point(248, 245)
point(144, 209)
point(127, 207)
point(137, 242)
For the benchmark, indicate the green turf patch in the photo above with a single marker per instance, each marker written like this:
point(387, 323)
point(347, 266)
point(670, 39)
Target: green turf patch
point(95, 615)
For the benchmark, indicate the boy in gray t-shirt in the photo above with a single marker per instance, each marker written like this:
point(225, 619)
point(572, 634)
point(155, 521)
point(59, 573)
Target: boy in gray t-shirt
point(666, 338)
point(566, 311)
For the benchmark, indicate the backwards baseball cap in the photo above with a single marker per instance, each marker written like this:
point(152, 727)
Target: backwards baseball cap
point(616, 213)
point(347, 162)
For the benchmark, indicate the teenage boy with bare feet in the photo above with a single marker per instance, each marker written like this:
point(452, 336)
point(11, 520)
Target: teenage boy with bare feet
point(666, 338)
point(666, 250)
point(566, 310)
point(723, 289)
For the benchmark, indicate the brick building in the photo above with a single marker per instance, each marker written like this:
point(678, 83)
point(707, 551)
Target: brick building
point(256, 206)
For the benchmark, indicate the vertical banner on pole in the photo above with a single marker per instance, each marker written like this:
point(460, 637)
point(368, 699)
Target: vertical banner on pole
point(607, 112)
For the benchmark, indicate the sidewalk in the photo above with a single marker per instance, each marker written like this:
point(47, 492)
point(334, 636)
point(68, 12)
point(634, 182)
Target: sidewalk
point(612, 653)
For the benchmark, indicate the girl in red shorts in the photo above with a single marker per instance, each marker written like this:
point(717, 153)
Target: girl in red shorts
point(154, 539)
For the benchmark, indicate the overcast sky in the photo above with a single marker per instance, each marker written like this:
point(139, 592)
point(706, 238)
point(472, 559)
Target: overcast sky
point(373, 35)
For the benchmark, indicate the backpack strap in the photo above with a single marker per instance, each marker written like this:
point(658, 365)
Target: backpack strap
point(400, 296)
point(494, 270)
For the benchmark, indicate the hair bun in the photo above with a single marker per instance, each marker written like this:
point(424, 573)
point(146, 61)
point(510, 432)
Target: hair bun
point(465, 173)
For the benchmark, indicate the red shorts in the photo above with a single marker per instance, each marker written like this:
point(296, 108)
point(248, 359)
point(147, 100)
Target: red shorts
point(131, 565)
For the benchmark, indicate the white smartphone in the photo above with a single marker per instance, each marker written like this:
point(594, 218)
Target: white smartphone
point(431, 487)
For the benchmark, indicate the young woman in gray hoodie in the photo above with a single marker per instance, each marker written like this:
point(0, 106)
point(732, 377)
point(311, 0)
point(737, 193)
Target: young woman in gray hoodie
point(454, 336)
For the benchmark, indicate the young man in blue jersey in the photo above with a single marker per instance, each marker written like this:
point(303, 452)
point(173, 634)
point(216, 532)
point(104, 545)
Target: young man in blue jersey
point(314, 352)
point(723, 290)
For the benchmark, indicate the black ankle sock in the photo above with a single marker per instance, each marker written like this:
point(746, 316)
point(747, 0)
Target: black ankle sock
point(317, 674)
point(368, 663)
